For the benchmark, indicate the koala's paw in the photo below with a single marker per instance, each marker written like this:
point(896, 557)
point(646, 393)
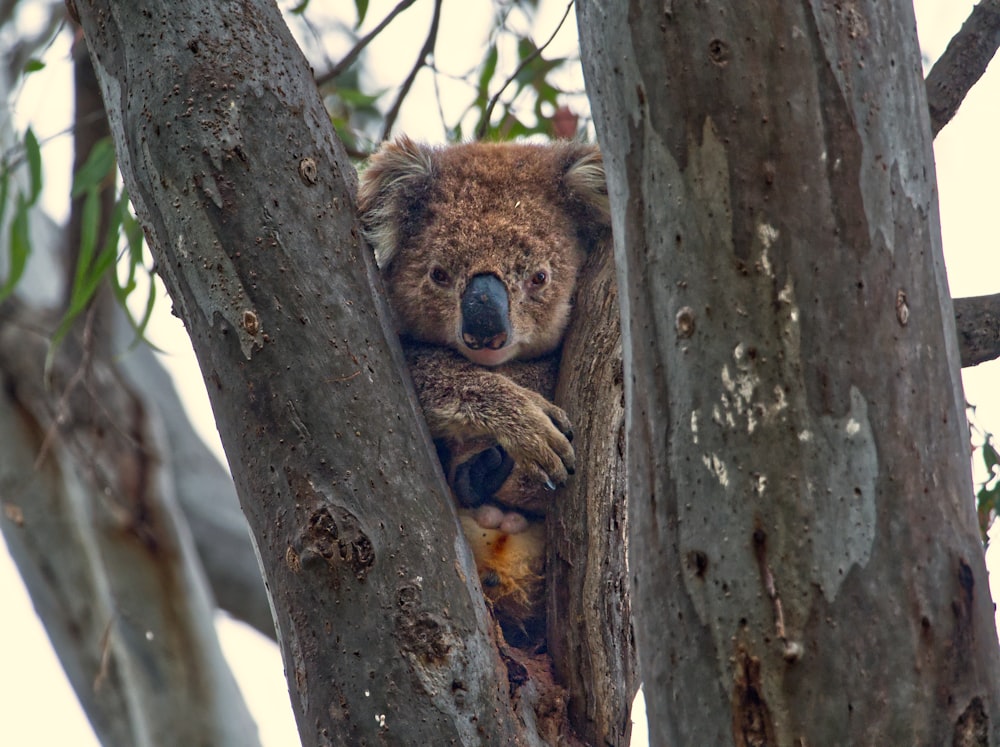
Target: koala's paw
point(479, 478)
point(539, 442)
point(490, 516)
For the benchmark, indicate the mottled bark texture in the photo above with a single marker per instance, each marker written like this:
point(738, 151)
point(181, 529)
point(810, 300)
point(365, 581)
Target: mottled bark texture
point(248, 204)
point(803, 548)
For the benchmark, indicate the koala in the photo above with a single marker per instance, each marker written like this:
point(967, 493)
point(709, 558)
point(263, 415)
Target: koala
point(479, 246)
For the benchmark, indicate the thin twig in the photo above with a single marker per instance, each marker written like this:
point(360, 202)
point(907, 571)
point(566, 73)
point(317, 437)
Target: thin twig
point(963, 63)
point(437, 96)
point(425, 52)
point(351, 56)
point(485, 122)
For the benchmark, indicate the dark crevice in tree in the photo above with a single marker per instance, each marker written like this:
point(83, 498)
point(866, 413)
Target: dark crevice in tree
point(963, 63)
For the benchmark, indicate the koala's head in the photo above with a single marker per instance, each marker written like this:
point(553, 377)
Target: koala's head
point(479, 244)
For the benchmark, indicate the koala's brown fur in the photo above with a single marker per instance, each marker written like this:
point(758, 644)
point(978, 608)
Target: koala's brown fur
point(479, 246)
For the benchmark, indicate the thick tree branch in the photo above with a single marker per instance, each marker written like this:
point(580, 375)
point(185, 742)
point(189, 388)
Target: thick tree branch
point(977, 319)
point(786, 465)
point(963, 63)
point(590, 617)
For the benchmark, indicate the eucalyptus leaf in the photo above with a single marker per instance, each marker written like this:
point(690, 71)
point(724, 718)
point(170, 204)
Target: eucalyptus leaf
point(96, 168)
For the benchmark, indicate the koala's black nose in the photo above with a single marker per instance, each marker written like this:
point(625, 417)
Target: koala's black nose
point(485, 313)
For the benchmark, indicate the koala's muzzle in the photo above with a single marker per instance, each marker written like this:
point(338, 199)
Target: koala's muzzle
point(485, 313)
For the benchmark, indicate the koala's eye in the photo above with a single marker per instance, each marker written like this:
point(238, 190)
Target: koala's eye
point(539, 279)
point(440, 276)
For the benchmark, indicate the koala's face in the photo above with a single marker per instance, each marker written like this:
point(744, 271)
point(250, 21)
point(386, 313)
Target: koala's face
point(480, 244)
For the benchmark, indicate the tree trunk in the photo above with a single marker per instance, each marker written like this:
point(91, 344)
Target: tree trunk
point(247, 201)
point(590, 618)
point(803, 548)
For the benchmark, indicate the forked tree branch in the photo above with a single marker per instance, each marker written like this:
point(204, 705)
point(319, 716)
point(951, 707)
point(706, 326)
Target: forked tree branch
point(363, 42)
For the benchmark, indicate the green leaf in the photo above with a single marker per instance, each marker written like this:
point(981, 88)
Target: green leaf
point(97, 167)
point(525, 48)
point(34, 156)
point(362, 7)
point(89, 220)
point(300, 8)
point(990, 457)
point(143, 323)
point(33, 66)
point(83, 291)
point(133, 238)
point(357, 99)
point(20, 248)
point(4, 189)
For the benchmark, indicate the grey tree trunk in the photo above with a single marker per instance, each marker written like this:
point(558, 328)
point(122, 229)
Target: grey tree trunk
point(803, 549)
point(247, 201)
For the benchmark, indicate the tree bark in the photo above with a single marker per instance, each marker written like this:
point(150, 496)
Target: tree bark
point(977, 319)
point(247, 201)
point(963, 63)
point(803, 548)
point(590, 621)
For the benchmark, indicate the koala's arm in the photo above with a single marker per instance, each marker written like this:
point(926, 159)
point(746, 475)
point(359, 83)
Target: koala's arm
point(462, 401)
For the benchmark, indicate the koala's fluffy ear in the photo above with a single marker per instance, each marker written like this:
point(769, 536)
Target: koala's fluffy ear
point(391, 196)
point(587, 193)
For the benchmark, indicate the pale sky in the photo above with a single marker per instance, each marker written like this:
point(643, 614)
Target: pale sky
point(34, 691)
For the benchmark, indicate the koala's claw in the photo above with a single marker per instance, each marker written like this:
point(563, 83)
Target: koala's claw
point(559, 419)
